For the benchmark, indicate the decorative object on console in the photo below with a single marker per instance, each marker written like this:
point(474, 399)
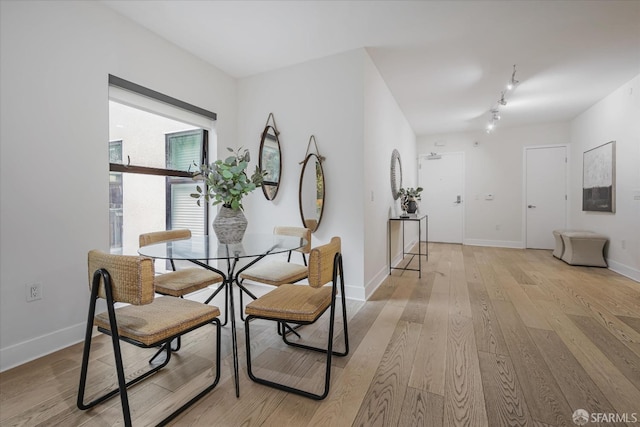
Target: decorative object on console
point(269, 159)
point(409, 198)
point(226, 183)
point(312, 189)
point(599, 178)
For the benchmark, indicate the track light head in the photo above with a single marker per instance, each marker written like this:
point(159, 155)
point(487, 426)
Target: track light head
point(513, 82)
point(502, 101)
point(490, 126)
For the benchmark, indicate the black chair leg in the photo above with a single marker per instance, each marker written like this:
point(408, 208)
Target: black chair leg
point(115, 338)
point(200, 395)
point(282, 326)
point(243, 290)
point(337, 268)
point(226, 300)
point(162, 349)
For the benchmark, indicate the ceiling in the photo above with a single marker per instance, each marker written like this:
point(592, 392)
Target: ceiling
point(446, 62)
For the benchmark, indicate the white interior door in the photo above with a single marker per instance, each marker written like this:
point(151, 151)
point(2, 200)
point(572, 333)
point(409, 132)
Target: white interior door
point(442, 197)
point(546, 194)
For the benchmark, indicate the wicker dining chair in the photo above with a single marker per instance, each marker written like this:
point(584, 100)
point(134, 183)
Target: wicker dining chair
point(278, 272)
point(146, 322)
point(304, 304)
point(178, 283)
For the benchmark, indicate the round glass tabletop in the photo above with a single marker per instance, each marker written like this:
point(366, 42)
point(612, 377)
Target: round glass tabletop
point(208, 247)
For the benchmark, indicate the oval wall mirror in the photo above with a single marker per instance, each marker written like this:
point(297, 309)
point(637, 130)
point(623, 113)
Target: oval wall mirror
point(269, 160)
point(311, 194)
point(396, 174)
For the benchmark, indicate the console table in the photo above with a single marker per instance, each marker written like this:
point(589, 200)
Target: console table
point(410, 218)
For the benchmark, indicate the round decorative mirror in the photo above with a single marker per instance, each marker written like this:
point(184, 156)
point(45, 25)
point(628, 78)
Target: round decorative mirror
point(311, 194)
point(396, 174)
point(269, 160)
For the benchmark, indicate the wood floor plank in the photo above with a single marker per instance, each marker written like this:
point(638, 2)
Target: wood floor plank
point(348, 391)
point(615, 299)
point(505, 402)
point(543, 396)
point(416, 308)
point(580, 391)
point(384, 399)
point(621, 330)
point(459, 294)
point(485, 325)
point(428, 369)
point(567, 304)
point(490, 280)
point(421, 408)
point(626, 361)
point(520, 300)
point(620, 392)
point(464, 399)
point(633, 322)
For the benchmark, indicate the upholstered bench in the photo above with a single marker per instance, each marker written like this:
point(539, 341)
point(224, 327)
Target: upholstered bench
point(559, 249)
point(583, 248)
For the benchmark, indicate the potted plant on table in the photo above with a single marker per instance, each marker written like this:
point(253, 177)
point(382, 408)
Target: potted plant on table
point(226, 182)
point(409, 198)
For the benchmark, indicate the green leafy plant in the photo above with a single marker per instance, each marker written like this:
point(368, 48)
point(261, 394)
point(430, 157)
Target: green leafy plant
point(227, 181)
point(409, 195)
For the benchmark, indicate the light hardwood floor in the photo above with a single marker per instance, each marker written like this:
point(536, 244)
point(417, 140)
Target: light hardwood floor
point(487, 337)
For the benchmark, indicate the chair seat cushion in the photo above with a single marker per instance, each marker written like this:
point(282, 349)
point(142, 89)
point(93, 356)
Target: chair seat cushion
point(182, 282)
point(163, 318)
point(275, 273)
point(295, 303)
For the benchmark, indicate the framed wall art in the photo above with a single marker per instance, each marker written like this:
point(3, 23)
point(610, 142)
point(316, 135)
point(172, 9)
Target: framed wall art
point(599, 178)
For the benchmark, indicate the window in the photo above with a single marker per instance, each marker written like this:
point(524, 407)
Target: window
point(155, 144)
point(181, 149)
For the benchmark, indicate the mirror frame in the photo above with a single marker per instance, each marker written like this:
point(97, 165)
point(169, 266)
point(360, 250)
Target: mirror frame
point(395, 189)
point(265, 132)
point(324, 190)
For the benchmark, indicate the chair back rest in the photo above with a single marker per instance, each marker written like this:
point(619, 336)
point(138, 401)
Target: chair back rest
point(163, 236)
point(131, 276)
point(302, 232)
point(321, 262)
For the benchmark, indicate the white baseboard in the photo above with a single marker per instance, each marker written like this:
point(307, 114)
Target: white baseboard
point(373, 284)
point(494, 243)
point(26, 351)
point(625, 270)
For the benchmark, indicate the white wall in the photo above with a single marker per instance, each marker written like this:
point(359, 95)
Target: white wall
point(322, 98)
point(344, 102)
point(495, 166)
point(385, 129)
point(56, 57)
point(615, 118)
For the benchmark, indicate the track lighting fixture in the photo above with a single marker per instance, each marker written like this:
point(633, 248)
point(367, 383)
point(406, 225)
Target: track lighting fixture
point(494, 112)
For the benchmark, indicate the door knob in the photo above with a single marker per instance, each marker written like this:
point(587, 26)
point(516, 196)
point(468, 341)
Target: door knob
point(531, 206)
point(458, 199)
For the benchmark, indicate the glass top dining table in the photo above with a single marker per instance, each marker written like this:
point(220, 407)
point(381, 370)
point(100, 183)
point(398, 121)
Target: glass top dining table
point(202, 249)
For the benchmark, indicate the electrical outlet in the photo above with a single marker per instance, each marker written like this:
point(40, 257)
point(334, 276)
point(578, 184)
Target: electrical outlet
point(34, 291)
